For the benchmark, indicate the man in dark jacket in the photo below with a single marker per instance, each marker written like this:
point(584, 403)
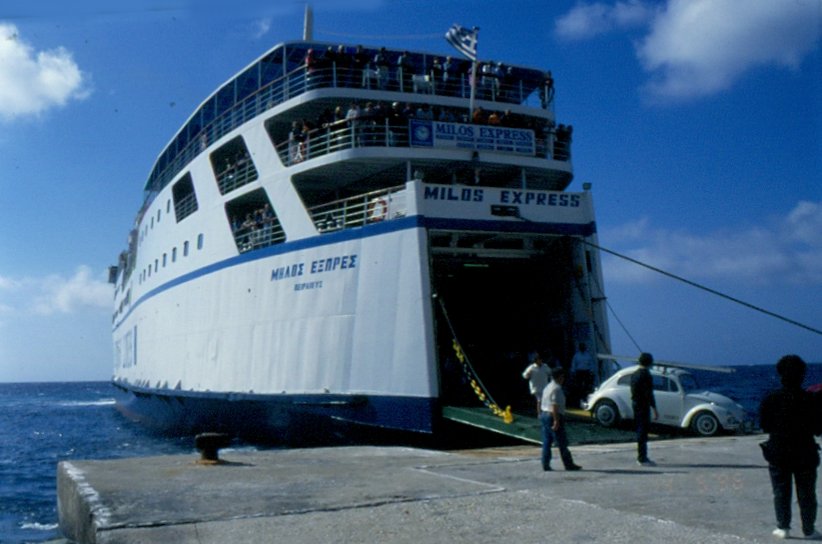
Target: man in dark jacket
point(791, 417)
point(642, 397)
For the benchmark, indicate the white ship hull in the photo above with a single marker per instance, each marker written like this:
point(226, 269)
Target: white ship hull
point(332, 311)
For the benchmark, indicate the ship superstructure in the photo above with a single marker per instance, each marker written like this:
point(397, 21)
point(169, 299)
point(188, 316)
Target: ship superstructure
point(306, 229)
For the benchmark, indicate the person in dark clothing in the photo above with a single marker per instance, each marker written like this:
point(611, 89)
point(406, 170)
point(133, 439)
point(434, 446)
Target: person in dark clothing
point(791, 417)
point(642, 397)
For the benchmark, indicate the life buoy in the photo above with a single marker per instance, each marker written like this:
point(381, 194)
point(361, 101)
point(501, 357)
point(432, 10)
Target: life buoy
point(377, 209)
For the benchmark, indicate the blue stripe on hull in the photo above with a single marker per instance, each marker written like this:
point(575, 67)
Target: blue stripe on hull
point(274, 418)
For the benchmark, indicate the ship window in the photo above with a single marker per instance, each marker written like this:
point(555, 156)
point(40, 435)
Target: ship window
point(200, 241)
point(168, 206)
point(271, 68)
point(158, 215)
point(253, 221)
point(165, 255)
point(156, 265)
point(225, 99)
point(233, 166)
point(185, 248)
point(174, 254)
point(185, 200)
point(248, 82)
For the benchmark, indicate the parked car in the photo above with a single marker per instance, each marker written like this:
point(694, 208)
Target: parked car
point(679, 401)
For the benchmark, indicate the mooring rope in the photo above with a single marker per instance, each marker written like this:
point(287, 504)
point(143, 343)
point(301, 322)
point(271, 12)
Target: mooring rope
point(473, 378)
point(704, 288)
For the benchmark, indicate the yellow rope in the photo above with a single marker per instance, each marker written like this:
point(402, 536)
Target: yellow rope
point(506, 414)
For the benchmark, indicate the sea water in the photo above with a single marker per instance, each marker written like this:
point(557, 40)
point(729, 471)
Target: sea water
point(42, 424)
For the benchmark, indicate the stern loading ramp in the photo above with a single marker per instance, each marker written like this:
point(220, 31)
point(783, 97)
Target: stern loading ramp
point(580, 427)
point(497, 298)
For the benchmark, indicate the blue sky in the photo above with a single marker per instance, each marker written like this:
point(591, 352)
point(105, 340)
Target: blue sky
point(698, 122)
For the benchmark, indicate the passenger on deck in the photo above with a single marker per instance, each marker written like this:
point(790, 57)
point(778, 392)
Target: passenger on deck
point(398, 126)
point(381, 64)
point(424, 112)
point(449, 76)
point(360, 63)
point(437, 73)
point(352, 118)
point(404, 72)
point(310, 66)
point(547, 92)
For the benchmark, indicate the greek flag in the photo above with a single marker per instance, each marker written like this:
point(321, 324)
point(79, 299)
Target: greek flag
point(465, 41)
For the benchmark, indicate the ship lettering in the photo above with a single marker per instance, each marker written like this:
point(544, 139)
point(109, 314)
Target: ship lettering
point(465, 194)
point(283, 272)
point(343, 262)
point(505, 134)
point(564, 200)
point(308, 285)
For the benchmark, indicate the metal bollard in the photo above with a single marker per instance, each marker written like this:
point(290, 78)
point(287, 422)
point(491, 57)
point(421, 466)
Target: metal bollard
point(208, 444)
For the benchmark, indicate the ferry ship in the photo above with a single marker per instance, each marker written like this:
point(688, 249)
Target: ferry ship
point(355, 236)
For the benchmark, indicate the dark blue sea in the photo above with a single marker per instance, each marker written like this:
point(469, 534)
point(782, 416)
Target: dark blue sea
point(44, 423)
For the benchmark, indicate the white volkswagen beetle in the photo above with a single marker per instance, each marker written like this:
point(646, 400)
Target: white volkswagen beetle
point(679, 401)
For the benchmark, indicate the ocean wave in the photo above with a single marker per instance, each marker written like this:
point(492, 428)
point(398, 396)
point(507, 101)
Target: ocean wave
point(39, 526)
point(81, 403)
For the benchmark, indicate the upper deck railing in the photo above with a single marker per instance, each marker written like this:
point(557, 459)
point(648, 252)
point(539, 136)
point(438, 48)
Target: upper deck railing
point(292, 69)
point(358, 133)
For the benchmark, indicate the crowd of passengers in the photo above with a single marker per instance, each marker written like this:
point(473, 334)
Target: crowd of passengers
point(255, 230)
point(395, 71)
point(379, 124)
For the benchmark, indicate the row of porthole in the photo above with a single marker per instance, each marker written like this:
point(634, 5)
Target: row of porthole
point(146, 272)
point(150, 225)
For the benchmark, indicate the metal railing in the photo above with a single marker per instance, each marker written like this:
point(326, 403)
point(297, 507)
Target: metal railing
point(355, 211)
point(358, 134)
point(259, 235)
point(359, 210)
point(185, 207)
point(236, 175)
point(191, 141)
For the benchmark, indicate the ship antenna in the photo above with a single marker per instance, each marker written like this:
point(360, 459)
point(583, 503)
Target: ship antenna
point(308, 27)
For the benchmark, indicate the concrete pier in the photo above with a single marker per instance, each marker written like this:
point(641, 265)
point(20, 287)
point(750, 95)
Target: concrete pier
point(712, 490)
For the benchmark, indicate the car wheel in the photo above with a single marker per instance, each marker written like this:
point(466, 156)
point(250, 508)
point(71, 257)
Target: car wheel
point(606, 413)
point(705, 424)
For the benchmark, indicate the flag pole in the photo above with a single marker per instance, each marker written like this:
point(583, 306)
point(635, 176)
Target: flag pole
point(473, 91)
point(473, 76)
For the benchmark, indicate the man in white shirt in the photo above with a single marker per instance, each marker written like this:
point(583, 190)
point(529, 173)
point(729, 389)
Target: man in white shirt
point(553, 422)
point(538, 375)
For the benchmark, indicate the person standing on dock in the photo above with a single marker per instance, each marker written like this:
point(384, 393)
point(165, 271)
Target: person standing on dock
point(552, 418)
point(791, 418)
point(538, 375)
point(642, 397)
point(583, 367)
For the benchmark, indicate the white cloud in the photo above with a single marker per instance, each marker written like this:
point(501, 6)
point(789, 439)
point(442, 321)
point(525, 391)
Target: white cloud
point(696, 48)
point(31, 82)
point(785, 250)
point(54, 294)
point(588, 20)
point(261, 28)
point(66, 295)
point(699, 47)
